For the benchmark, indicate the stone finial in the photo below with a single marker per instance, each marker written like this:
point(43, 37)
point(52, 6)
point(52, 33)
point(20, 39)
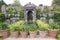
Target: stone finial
point(29, 2)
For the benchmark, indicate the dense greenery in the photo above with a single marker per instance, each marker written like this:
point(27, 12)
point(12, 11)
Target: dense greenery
point(57, 2)
point(57, 17)
point(32, 27)
point(42, 26)
point(53, 26)
point(3, 26)
point(23, 28)
point(15, 26)
point(58, 35)
point(2, 17)
point(1, 38)
point(2, 3)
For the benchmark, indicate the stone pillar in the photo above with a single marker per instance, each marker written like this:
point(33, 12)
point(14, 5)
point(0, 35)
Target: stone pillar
point(25, 17)
point(51, 15)
point(41, 14)
point(3, 8)
point(42, 8)
point(7, 15)
point(34, 16)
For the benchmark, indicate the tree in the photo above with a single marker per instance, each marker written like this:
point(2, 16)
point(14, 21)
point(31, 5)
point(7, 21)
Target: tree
point(17, 3)
point(57, 2)
point(46, 9)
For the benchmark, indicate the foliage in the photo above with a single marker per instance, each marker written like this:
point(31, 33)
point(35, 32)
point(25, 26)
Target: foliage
point(11, 10)
point(1, 38)
point(38, 12)
point(54, 6)
point(53, 26)
point(23, 28)
point(14, 28)
point(32, 27)
point(17, 3)
point(18, 23)
point(57, 2)
point(3, 26)
point(46, 9)
point(21, 13)
point(2, 3)
point(58, 35)
point(39, 22)
point(2, 17)
point(57, 17)
point(42, 25)
point(42, 28)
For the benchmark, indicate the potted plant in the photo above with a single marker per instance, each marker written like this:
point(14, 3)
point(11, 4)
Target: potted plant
point(23, 31)
point(52, 31)
point(14, 31)
point(58, 35)
point(43, 30)
point(1, 38)
point(32, 31)
point(4, 30)
point(14, 28)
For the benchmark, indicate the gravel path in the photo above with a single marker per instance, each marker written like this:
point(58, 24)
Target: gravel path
point(47, 38)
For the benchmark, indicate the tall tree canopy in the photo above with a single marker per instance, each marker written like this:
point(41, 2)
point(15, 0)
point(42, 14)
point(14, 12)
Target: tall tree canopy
point(56, 4)
point(2, 3)
point(17, 3)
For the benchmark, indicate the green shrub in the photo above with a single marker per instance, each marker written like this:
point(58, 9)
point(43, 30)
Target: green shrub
point(23, 28)
point(39, 23)
point(2, 17)
point(53, 26)
point(42, 28)
point(14, 28)
point(42, 25)
point(1, 38)
point(57, 16)
point(3, 26)
point(58, 35)
point(32, 28)
point(18, 23)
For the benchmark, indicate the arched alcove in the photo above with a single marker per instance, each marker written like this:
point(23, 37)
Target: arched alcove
point(29, 12)
point(29, 17)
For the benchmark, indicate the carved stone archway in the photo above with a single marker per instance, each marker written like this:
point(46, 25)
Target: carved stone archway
point(30, 7)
